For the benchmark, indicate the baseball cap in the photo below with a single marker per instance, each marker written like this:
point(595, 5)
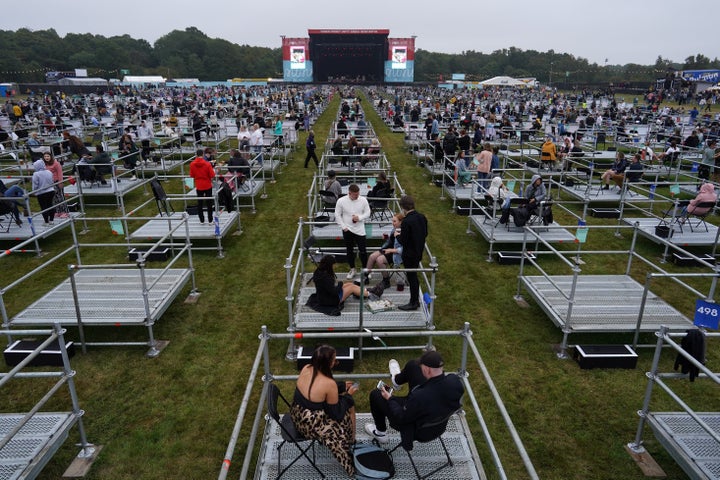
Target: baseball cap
point(432, 359)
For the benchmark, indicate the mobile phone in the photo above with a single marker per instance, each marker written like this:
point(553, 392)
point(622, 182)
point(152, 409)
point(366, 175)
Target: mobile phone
point(381, 386)
point(355, 385)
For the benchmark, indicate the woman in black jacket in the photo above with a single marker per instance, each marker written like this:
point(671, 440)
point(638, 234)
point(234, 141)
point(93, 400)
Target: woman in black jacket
point(331, 293)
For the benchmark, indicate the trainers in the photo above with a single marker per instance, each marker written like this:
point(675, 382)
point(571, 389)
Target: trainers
point(394, 368)
point(351, 274)
point(133, 178)
point(381, 437)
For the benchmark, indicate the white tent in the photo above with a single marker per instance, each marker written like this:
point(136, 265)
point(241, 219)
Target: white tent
point(503, 81)
point(143, 79)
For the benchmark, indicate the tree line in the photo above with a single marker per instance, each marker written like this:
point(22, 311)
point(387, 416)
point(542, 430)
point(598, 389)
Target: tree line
point(26, 56)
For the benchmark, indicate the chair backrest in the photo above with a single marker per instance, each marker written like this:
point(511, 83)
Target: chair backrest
point(272, 399)
point(5, 205)
point(706, 208)
point(425, 430)
point(158, 190)
point(309, 243)
point(633, 175)
point(328, 196)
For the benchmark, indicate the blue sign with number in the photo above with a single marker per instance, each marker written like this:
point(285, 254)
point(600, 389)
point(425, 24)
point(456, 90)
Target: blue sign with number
point(707, 314)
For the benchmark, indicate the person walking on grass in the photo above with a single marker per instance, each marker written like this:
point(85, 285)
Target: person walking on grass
point(310, 145)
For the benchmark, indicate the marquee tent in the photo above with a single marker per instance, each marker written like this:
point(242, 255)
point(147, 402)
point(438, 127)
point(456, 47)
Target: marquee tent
point(503, 81)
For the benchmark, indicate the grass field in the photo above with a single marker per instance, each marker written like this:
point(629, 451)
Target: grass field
point(171, 417)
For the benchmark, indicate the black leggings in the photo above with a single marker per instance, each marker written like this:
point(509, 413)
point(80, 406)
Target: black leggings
point(46, 204)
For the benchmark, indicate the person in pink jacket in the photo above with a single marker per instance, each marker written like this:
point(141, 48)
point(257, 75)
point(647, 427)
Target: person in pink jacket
point(706, 194)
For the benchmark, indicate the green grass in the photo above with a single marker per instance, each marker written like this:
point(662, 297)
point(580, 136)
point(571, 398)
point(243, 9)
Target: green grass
point(171, 417)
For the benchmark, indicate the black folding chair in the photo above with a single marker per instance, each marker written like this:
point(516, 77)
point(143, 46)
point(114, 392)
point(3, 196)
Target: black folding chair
point(700, 217)
point(161, 197)
point(329, 199)
point(288, 432)
point(424, 432)
point(379, 209)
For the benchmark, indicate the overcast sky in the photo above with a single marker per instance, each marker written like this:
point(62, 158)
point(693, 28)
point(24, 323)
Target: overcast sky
point(621, 31)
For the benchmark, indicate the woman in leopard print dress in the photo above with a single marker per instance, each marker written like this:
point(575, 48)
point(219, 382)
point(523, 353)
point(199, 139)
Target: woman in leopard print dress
point(324, 409)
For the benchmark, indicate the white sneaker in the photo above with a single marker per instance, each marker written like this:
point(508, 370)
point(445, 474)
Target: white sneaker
point(351, 274)
point(133, 178)
point(381, 437)
point(394, 368)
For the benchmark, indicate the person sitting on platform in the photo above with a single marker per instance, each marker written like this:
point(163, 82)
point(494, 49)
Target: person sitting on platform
point(102, 163)
point(500, 192)
point(439, 396)
point(324, 409)
point(670, 155)
point(337, 149)
point(390, 252)
point(17, 194)
point(706, 194)
point(329, 292)
point(332, 185)
point(535, 193)
point(633, 172)
point(615, 172)
point(75, 145)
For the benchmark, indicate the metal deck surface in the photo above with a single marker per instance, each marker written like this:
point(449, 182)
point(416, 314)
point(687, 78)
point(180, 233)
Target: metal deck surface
point(698, 238)
point(595, 195)
point(111, 188)
point(333, 231)
point(513, 234)
point(308, 319)
point(31, 448)
point(692, 447)
point(24, 231)
point(159, 226)
point(428, 456)
point(603, 303)
point(249, 189)
point(106, 297)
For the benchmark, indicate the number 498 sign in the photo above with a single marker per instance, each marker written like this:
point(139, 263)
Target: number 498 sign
point(707, 314)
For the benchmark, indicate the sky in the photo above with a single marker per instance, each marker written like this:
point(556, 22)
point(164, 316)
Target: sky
point(612, 32)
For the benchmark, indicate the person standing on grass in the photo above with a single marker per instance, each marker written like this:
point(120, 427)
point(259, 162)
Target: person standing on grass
point(202, 171)
point(413, 232)
point(351, 211)
point(310, 146)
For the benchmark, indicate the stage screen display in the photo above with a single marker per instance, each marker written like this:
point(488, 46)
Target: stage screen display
point(297, 66)
point(400, 63)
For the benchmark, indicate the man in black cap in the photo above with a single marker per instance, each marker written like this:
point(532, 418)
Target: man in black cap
point(438, 397)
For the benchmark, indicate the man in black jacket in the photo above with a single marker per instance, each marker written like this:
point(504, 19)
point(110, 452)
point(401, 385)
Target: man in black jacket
point(413, 232)
point(437, 398)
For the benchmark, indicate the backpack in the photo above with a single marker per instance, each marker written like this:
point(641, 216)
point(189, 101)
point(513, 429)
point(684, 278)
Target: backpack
point(372, 462)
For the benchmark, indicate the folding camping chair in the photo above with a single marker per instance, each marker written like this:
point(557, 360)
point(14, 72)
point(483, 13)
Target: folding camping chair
point(700, 217)
point(288, 432)
point(161, 198)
